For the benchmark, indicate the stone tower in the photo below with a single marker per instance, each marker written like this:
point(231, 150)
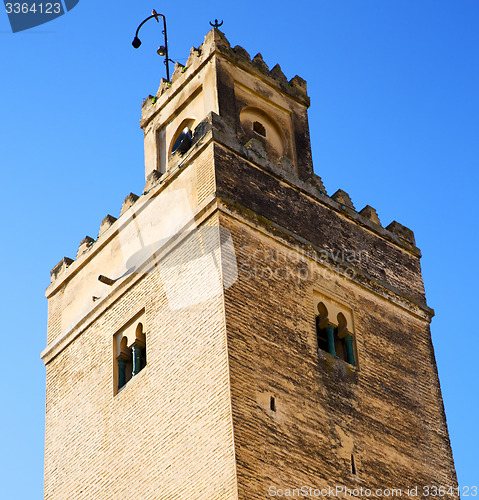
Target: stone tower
point(237, 333)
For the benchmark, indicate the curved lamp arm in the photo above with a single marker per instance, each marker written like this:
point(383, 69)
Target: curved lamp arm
point(137, 42)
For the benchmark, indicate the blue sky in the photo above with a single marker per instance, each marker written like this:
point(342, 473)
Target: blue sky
point(394, 122)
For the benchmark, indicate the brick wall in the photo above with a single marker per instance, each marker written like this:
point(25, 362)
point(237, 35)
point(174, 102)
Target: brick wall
point(168, 432)
point(387, 412)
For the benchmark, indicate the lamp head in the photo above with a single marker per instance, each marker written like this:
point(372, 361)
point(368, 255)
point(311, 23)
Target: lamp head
point(136, 42)
point(161, 50)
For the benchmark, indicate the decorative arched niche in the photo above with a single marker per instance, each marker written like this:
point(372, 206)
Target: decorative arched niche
point(257, 124)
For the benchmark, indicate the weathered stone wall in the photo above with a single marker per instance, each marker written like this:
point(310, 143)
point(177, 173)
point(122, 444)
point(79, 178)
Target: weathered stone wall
point(298, 212)
point(387, 412)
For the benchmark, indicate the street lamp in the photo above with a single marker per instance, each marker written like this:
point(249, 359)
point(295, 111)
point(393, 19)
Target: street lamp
point(163, 49)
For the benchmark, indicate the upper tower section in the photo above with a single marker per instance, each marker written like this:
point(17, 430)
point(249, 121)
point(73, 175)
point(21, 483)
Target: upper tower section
point(246, 145)
point(260, 107)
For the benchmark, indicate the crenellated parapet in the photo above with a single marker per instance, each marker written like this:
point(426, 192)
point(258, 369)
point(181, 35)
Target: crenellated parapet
point(85, 244)
point(402, 232)
point(216, 43)
point(343, 198)
point(106, 223)
point(60, 268)
point(370, 214)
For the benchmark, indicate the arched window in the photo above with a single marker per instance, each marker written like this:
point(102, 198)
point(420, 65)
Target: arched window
point(333, 335)
point(258, 124)
point(321, 324)
point(181, 139)
point(124, 362)
point(139, 350)
point(130, 353)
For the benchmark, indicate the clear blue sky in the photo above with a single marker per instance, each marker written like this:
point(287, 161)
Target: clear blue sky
point(394, 122)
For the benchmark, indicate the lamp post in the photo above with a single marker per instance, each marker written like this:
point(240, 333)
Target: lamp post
point(163, 49)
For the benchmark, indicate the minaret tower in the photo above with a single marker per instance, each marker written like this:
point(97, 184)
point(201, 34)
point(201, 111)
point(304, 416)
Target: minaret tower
point(236, 332)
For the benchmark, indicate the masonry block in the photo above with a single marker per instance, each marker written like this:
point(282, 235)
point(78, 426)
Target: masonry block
point(343, 198)
point(370, 214)
point(128, 202)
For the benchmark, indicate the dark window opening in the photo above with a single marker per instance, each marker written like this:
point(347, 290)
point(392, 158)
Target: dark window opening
point(183, 142)
point(329, 341)
point(272, 403)
point(125, 368)
point(143, 358)
point(353, 465)
point(340, 347)
point(321, 336)
point(139, 358)
point(259, 129)
point(130, 360)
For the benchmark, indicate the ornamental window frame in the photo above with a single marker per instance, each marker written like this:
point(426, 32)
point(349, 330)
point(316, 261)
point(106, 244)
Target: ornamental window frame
point(334, 329)
point(129, 352)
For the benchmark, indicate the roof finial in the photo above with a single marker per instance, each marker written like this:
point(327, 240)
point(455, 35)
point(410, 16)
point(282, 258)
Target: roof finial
point(216, 25)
